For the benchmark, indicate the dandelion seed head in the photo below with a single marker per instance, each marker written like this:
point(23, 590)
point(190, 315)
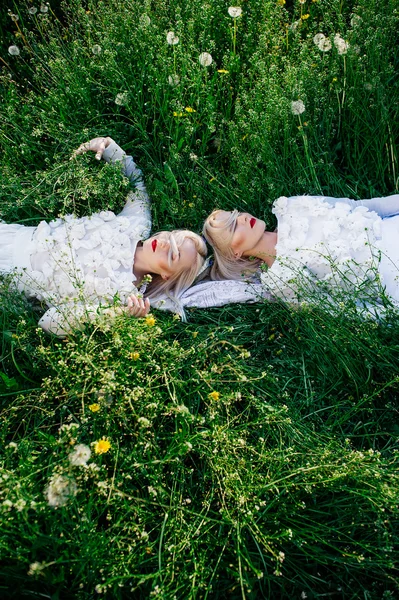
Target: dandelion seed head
point(171, 38)
point(80, 455)
point(297, 107)
point(32, 10)
point(340, 44)
point(144, 422)
point(96, 49)
point(205, 59)
point(173, 80)
point(121, 99)
point(44, 8)
point(322, 42)
point(145, 20)
point(234, 11)
point(13, 50)
point(59, 490)
point(14, 17)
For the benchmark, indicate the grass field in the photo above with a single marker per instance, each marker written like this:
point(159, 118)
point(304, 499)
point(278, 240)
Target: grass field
point(251, 452)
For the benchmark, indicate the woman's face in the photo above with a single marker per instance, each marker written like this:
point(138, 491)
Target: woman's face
point(160, 260)
point(247, 231)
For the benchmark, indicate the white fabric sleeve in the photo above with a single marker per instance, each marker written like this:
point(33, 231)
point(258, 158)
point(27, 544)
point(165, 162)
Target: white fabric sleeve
point(137, 201)
point(211, 294)
point(384, 207)
point(62, 321)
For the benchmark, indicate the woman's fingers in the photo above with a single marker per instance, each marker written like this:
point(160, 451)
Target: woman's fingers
point(137, 307)
point(97, 145)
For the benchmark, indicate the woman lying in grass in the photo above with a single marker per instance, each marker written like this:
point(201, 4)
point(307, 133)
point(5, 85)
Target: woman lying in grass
point(81, 266)
point(321, 244)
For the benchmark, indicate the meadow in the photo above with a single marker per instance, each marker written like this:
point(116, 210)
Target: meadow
point(252, 451)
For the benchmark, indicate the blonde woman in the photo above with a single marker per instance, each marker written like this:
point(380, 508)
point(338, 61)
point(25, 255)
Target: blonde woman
point(320, 243)
point(82, 267)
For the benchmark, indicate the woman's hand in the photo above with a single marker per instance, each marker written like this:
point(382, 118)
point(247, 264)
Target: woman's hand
point(96, 145)
point(137, 307)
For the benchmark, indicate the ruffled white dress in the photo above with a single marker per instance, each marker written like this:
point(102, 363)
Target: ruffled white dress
point(329, 246)
point(79, 265)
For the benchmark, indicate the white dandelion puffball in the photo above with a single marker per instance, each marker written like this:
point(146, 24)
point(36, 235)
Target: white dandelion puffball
point(205, 59)
point(13, 50)
point(173, 80)
point(60, 489)
point(96, 49)
point(171, 38)
point(297, 107)
point(32, 10)
point(44, 8)
point(145, 20)
point(234, 11)
point(80, 455)
point(322, 42)
point(340, 44)
point(121, 99)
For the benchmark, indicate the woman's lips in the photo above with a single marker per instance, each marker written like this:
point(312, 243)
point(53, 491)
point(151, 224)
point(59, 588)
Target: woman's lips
point(252, 222)
point(154, 245)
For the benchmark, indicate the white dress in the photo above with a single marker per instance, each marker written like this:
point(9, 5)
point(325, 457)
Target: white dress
point(79, 265)
point(326, 246)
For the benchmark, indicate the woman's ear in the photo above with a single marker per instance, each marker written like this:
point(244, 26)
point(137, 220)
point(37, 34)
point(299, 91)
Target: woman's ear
point(165, 277)
point(237, 255)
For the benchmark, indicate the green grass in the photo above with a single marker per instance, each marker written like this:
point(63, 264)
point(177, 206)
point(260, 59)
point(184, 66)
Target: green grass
point(284, 483)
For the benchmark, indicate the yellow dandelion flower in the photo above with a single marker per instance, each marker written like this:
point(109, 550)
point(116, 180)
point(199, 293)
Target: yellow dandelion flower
point(102, 446)
point(94, 407)
point(189, 109)
point(304, 17)
point(281, 2)
point(214, 395)
point(177, 114)
point(150, 321)
point(195, 333)
point(222, 71)
point(134, 355)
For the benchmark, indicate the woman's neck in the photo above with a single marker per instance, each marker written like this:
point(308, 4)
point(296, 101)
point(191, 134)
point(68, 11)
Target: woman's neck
point(139, 269)
point(265, 249)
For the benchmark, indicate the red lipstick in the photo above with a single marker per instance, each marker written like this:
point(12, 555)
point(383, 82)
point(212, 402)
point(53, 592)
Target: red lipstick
point(154, 244)
point(252, 222)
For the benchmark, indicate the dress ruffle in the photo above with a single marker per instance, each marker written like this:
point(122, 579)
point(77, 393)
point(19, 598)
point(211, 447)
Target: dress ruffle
point(320, 244)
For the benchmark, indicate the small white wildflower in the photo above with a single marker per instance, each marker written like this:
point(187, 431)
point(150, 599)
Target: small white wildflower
point(340, 44)
point(205, 59)
point(121, 99)
point(173, 80)
point(13, 445)
point(36, 568)
point(80, 455)
point(182, 409)
point(32, 10)
point(234, 11)
point(13, 50)
point(297, 107)
point(189, 446)
point(20, 504)
point(171, 38)
point(145, 20)
point(8, 504)
point(152, 491)
point(302, 1)
point(194, 158)
point(44, 8)
point(59, 490)
point(98, 589)
point(96, 49)
point(322, 42)
point(144, 422)
point(304, 595)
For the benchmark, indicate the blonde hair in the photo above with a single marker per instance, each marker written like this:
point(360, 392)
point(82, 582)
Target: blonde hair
point(219, 234)
point(178, 283)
